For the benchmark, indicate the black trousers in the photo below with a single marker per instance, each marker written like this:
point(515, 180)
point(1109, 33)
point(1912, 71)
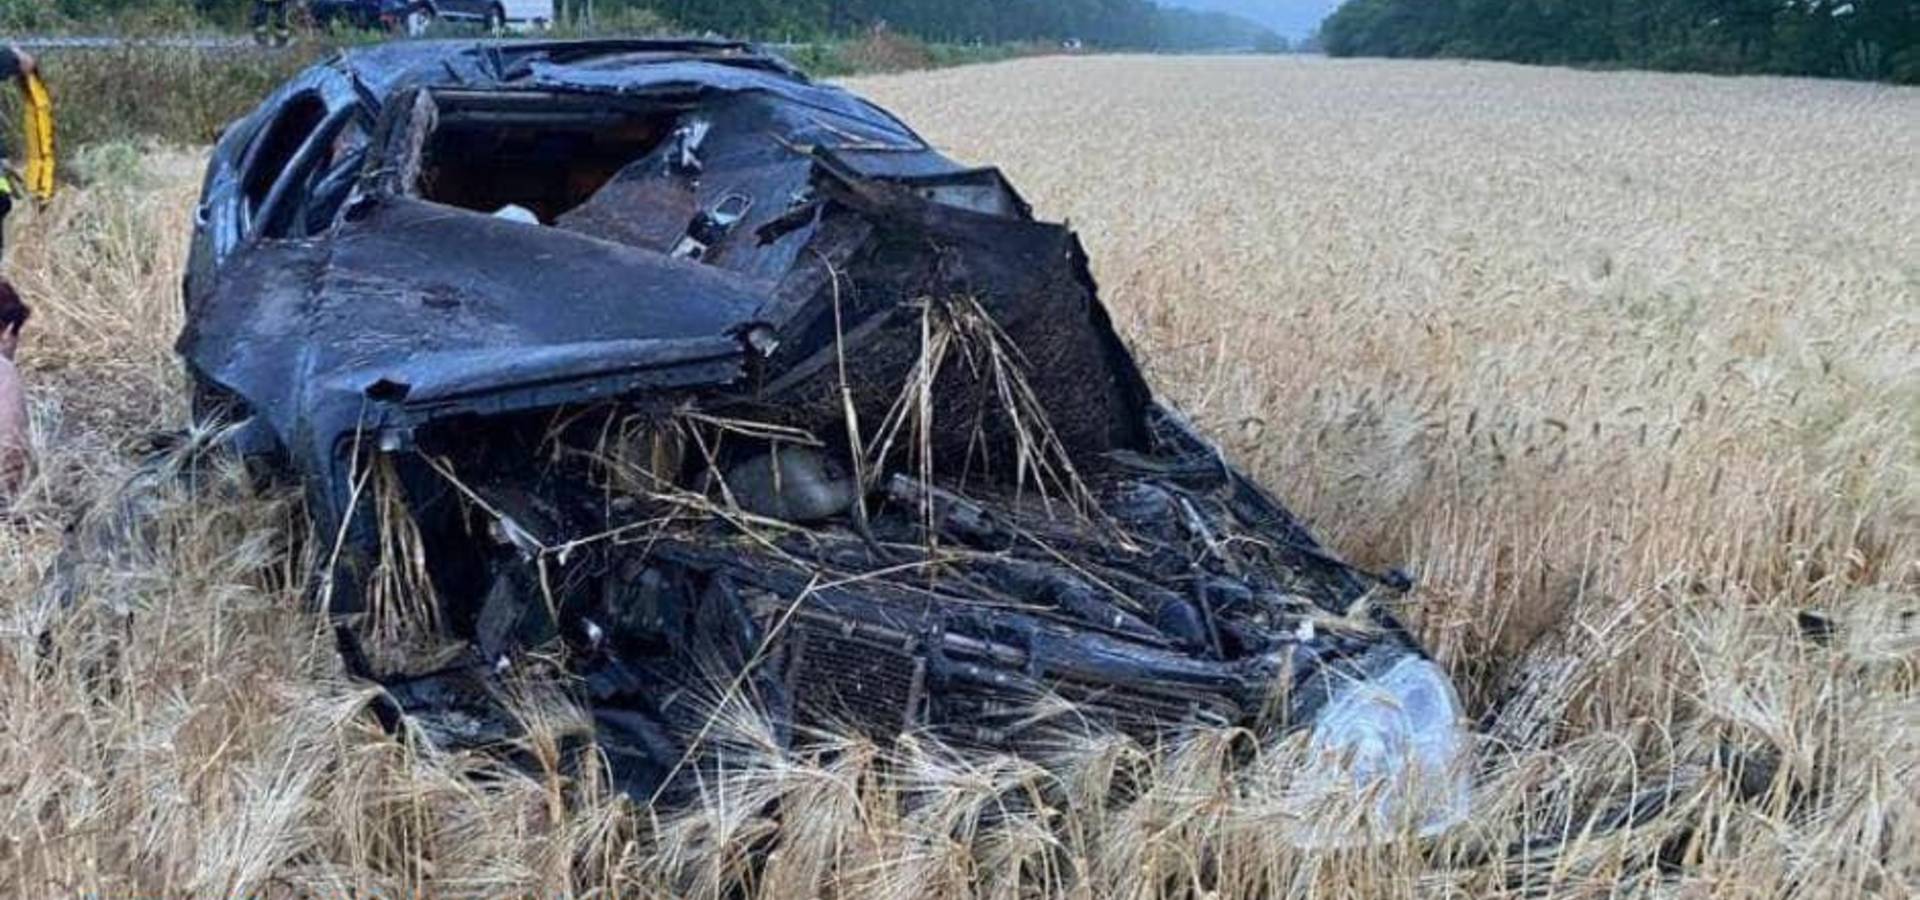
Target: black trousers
point(275, 10)
point(6, 206)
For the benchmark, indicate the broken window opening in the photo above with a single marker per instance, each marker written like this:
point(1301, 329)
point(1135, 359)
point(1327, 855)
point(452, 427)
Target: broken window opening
point(276, 146)
point(314, 183)
point(543, 153)
point(332, 180)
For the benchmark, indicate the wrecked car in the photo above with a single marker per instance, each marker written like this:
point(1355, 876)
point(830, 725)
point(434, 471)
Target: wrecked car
point(657, 365)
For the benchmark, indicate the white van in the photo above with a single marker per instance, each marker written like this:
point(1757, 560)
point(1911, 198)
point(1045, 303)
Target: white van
point(496, 15)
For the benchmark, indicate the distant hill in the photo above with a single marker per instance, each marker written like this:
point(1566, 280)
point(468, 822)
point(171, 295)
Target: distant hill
point(1293, 19)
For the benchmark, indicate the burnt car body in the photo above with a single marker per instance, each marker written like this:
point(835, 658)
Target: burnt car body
point(689, 375)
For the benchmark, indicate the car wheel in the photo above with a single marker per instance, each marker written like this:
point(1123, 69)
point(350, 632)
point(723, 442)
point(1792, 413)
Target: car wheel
point(418, 20)
point(496, 20)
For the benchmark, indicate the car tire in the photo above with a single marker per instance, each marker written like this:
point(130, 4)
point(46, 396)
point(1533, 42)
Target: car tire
point(417, 22)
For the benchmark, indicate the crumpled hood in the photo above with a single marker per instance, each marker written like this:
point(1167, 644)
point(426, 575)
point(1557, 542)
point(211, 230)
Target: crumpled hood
point(420, 302)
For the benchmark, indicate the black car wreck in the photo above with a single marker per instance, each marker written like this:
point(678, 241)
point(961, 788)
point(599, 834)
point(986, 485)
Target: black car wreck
point(659, 366)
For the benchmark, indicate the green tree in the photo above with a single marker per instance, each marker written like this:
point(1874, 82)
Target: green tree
point(1837, 38)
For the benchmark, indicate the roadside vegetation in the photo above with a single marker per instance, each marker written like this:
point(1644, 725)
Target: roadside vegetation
point(137, 94)
point(152, 95)
point(1102, 24)
point(182, 96)
point(1621, 366)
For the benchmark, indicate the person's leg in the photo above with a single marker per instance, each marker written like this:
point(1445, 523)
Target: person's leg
point(6, 206)
point(16, 434)
point(281, 34)
point(258, 19)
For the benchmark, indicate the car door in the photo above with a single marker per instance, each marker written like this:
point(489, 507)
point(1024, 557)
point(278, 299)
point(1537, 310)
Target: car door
point(530, 12)
point(464, 10)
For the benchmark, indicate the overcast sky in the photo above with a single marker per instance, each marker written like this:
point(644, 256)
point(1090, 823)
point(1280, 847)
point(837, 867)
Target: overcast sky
point(1292, 18)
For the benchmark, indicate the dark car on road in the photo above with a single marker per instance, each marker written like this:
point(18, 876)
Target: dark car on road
point(661, 372)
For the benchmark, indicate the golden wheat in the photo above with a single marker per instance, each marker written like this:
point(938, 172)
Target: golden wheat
point(1623, 366)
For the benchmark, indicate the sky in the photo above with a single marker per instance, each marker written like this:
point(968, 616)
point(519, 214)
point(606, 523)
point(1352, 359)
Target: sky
point(1291, 18)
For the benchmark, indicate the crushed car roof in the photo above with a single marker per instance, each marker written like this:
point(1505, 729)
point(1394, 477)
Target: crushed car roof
point(665, 368)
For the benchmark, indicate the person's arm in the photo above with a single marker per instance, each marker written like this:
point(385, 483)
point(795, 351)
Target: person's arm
point(17, 64)
point(16, 441)
point(24, 65)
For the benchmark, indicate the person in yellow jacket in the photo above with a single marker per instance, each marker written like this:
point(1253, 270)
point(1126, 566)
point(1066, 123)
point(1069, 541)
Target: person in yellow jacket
point(18, 65)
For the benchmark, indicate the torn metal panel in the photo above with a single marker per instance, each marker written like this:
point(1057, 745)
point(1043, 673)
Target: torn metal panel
point(698, 383)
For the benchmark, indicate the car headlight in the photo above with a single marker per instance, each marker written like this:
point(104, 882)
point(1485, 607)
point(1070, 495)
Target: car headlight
point(1387, 755)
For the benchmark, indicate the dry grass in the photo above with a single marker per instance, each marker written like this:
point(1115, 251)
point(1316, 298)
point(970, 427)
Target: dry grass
point(1622, 365)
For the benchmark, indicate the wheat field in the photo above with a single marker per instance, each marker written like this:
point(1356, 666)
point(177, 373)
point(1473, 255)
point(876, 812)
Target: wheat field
point(1622, 366)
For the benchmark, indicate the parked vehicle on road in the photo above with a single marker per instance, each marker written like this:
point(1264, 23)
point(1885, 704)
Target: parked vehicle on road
point(416, 17)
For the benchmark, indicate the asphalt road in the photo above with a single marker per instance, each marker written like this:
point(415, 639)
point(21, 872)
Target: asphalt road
point(32, 42)
point(222, 42)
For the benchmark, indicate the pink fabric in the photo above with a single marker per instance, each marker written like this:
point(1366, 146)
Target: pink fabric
point(16, 460)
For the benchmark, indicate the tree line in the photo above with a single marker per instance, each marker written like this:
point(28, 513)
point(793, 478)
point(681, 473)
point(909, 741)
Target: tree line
point(1868, 39)
point(1119, 24)
point(1109, 24)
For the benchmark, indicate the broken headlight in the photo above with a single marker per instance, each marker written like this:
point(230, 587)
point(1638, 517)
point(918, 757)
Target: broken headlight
point(1387, 755)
